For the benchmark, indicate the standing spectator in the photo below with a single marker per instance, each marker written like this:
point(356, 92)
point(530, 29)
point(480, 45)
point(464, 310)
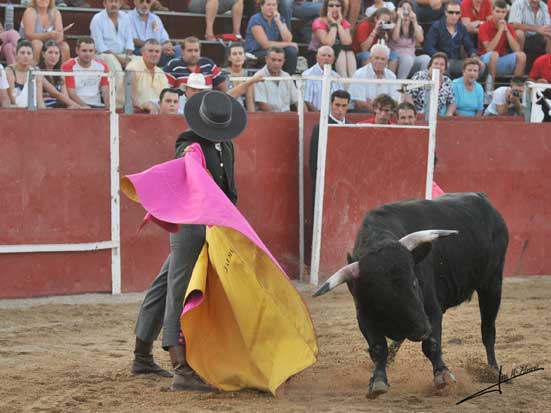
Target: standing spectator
point(4, 86)
point(305, 10)
point(178, 70)
point(406, 35)
point(446, 99)
point(429, 11)
point(271, 95)
point(148, 80)
point(364, 93)
point(474, 13)
point(42, 21)
point(8, 42)
point(112, 35)
point(169, 100)
point(406, 114)
point(211, 7)
point(331, 29)
point(265, 30)
point(377, 4)
point(236, 60)
point(18, 76)
point(508, 100)
point(373, 31)
point(340, 101)
point(383, 106)
point(87, 91)
point(495, 38)
point(541, 69)
point(54, 90)
point(449, 35)
point(469, 95)
point(312, 88)
point(353, 8)
point(147, 25)
point(532, 24)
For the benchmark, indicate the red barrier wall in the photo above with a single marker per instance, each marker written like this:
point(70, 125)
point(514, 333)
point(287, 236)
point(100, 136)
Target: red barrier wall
point(54, 186)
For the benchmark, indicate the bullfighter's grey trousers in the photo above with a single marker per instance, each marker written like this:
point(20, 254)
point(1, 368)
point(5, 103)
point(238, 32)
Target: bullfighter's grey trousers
point(163, 302)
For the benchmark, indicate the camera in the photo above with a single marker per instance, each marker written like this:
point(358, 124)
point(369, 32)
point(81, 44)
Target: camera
point(387, 26)
point(405, 13)
point(517, 93)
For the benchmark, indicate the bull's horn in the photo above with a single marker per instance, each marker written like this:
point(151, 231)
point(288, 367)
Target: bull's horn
point(346, 273)
point(413, 240)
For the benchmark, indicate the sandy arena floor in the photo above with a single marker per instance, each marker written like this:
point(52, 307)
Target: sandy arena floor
point(72, 354)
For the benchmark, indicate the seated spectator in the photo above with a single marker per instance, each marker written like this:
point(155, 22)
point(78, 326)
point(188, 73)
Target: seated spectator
point(211, 7)
point(4, 86)
point(305, 10)
point(364, 93)
point(147, 79)
point(532, 24)
point(377, 4)
point(312, 88)
point(196, 83)
point(331, 29)
point(508, 100)
point(18, 76)
point(373, 31)
point(87, 91)
point(406, 35)
point(147, 25)
point(54, 91)
point(384, 107)
point(446, 99)
point(495, 38)
point(541, 69)
point(449, 35)
point(178, 70)
point(112, 35)
point(236, 60)
point(275, 96)
point(8, 44)
point(469, 95)
point(169, 101)
point(473, 14)
point(340, 101)
point(265, 30)
point(406, 114)
point(429, 11)
point(42, 21)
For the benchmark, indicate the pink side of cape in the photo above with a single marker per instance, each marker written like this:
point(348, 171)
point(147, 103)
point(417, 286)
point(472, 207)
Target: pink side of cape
point(436, 190)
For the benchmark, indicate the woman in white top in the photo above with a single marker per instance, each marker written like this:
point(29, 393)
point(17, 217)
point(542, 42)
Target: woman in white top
point(236, 60)
point(406, 35)
point(42, 21)
point(377, 5)
point(18, 75)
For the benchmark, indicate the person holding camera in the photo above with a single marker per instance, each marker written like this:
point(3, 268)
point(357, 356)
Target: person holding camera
point(378, 27)
point(508, 100)
point(406, 35)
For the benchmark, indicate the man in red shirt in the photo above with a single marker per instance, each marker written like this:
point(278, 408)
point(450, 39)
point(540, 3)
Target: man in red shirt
point(474, 13)
point(383, 106)
point(495, 38)
point(541, 70)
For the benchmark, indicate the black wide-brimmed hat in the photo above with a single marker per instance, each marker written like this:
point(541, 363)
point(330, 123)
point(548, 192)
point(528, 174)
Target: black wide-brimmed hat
point(215, 116)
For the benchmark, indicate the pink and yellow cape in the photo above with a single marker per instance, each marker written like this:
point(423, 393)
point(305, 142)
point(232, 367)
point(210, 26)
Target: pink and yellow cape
point(244, 323)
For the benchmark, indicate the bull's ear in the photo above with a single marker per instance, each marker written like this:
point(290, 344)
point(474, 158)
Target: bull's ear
point(350, 259)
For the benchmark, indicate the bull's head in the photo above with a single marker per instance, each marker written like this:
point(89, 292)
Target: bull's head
point(384, 280)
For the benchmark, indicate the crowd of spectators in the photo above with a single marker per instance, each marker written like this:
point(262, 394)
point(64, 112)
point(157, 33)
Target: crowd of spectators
point(472, 42)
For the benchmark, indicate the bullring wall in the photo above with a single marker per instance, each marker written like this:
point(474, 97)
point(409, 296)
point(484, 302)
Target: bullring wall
point(54, 185)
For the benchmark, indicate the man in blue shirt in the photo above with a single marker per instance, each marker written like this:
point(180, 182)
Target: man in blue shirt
point(449, 35)
point(146, 25)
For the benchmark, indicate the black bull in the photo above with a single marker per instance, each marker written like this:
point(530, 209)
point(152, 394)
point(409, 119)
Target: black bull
point(403, 278)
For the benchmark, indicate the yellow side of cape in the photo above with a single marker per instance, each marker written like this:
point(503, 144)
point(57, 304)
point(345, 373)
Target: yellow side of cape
point(253, 329)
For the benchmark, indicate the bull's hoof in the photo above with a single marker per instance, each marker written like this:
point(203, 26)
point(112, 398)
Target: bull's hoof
point(376, 388)
point(444, 378)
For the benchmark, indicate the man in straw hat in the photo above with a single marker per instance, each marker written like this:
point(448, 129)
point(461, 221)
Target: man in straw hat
point(214, 119)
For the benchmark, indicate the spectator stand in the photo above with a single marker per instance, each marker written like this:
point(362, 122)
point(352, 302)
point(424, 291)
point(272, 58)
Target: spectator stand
point(114, 243)
point(535, 92)
point(323, 143)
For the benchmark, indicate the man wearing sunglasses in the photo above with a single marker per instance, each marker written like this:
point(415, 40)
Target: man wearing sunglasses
point(449, 35)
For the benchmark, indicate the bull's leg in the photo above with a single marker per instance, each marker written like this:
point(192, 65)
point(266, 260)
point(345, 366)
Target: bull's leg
point(488, 301)
point(432, 349)
point(378, 352)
